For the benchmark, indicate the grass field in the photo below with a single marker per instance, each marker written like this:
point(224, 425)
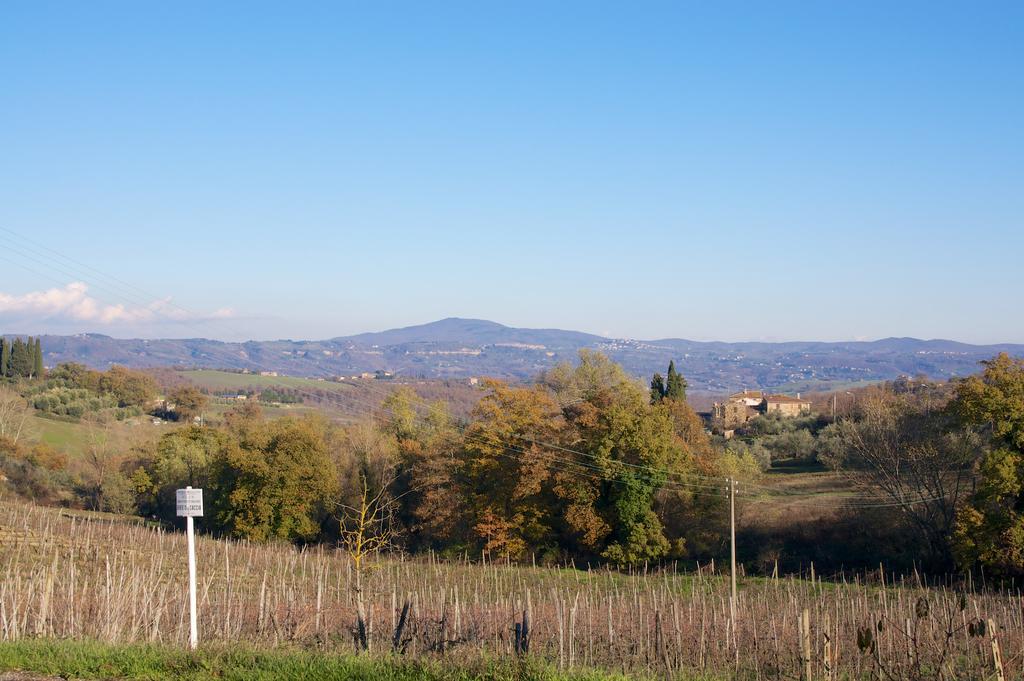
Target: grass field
point(218, 407)
point(88, 578)
point(96, 660)
point(225, 380)
point(73, 437)
point(62, 435)
point(350, 400)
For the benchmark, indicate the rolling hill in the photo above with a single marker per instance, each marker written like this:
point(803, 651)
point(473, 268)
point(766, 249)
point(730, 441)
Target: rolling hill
point(461, 348)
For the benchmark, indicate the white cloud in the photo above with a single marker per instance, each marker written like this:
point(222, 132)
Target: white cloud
point(73, 303)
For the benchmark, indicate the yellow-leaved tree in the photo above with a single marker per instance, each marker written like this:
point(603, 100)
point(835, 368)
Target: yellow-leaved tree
point(990, 529)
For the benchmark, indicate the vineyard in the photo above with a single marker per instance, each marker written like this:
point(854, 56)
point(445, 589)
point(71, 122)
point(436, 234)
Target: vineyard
point(114, 579)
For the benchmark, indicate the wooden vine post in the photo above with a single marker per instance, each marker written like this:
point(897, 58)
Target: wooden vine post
point(997, 655)
point(805, 644)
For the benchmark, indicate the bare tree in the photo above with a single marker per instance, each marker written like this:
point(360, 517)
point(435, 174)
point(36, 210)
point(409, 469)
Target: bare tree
point(904, 451)
point(366, 530)
point(102, 458)
point(14, 414)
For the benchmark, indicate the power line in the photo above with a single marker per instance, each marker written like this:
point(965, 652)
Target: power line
point(648, 471)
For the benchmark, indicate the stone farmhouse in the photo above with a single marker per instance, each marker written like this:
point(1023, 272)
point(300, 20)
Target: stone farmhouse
point(740, 407)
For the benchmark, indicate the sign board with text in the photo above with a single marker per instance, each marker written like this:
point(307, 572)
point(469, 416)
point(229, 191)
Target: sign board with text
point(189, 502)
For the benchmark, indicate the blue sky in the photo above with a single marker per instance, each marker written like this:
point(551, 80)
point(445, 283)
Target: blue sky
point(708, 171)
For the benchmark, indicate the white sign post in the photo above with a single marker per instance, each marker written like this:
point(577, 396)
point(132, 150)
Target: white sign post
point(190, 504)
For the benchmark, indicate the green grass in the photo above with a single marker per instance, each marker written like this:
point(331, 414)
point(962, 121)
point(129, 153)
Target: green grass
point(61, 435)
point(799, 489)
point(795, 466)
point(73, 437)
point(93, 660)
point(217, 408)
point(225, 380)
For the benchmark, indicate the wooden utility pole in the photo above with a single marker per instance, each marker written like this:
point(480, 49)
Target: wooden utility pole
point(732, 546)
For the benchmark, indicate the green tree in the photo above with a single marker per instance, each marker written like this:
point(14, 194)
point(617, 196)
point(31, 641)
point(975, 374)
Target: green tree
point(185, 457)
point(21, 360)
point(129, 388)
point(792, 444)
point(37, 356)
point(73, 375)
point(182, 457)
point(624, 448)
point(279, 481)
point(675, 384)
point(5, 358)
point(657, 388)
point(990, 529)
point(633, 445)
point(696, 523)
point(672, 387)
point(995, 399)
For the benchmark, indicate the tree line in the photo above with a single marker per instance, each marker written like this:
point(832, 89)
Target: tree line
point(585, 464)
point(21, 358)
point(582, 465)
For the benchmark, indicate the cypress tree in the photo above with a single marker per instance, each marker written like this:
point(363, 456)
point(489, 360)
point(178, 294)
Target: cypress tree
point(657, 389)
point(675, 384)
point(37, 368)
point(5, 357)
point(12, 364)
point(21, 359)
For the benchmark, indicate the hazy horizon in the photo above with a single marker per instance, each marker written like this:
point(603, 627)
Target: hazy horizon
point(7, 332)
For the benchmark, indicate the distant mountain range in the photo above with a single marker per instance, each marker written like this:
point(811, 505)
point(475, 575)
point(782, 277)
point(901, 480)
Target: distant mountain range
point(461, 348)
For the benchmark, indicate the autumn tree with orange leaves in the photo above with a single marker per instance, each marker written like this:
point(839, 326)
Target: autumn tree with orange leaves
point(506, 473)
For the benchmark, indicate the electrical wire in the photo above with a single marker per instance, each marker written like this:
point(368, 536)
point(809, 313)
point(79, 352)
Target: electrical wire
point(647, 473)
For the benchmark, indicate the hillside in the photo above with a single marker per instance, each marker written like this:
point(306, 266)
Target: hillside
point(346, 400)
point(461, 348)
point(475, 331)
